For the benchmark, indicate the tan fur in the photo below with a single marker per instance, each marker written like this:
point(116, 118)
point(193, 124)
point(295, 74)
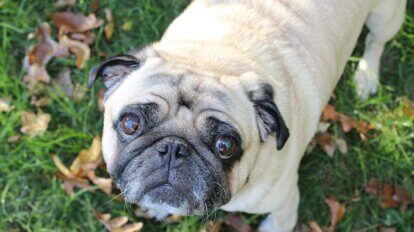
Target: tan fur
point(300, 47)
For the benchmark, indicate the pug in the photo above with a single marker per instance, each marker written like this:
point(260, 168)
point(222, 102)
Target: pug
point(218, 113)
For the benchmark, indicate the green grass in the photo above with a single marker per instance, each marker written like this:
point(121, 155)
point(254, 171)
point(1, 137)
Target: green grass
point(32, 199)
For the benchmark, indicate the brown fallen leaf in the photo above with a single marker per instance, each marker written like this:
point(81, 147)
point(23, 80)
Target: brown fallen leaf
point(211, 226)
point(87, 37)
point(337, 211)
point(407, 107)
point(5, 105)
point(34, 124)
point(315, 226)
point(118, 224)
point(62, 3)
point(75, 22)
point(88, 159)
point(238, 223)
point(105, 184)
point(110, 25)
point(326, 142)
point(39, 55)
point(386, 229)
point(342, 146)
point(81, 50)
point(39, 101)
point(391, 196)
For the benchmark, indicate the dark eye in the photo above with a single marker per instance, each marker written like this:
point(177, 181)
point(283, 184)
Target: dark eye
point(130, 123)
point(226, 146)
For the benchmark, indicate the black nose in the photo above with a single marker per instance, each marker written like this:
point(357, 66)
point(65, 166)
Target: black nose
point(172, 148)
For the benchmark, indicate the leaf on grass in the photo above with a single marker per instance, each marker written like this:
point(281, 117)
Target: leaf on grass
point(175, 218)
point(75, 22)
point(387, 229)
point(62, 3)
point(238, 223)
point(39, 55)
point(127, 26)
point(118, 224)
point(81, 50)
point(391, 196)
point(315, 226)
point(326, 142)
point(34, 124)
point(337, 211)
point(212, 226)
point(95, 5)
point(110, 25)
point(87, 37)
point(105, 184)
point(347, 123)
point(70, 181)
point(39, 101)
point(5, 105)
point(342, 146)
point(407, 107)
point(88, 159)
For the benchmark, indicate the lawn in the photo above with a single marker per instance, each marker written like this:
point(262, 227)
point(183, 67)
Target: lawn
point(32, 197)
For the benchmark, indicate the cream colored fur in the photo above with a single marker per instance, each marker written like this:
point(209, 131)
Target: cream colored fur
point(300, 47)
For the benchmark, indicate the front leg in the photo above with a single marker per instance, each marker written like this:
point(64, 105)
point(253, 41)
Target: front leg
point(284, 218)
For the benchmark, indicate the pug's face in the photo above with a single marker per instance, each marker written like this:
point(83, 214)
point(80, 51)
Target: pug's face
point(178, 140)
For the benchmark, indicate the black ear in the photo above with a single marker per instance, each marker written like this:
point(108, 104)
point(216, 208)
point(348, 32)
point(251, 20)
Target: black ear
point(113, 70)
point(269, 115)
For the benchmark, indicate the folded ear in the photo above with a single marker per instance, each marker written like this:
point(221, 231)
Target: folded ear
point(113, 70)
point(270, 119)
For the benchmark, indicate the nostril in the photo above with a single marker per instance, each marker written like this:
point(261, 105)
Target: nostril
point(182, 150)
point(162, 149)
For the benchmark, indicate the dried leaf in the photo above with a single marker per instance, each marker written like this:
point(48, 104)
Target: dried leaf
point(105, 184)
point(62, 3)
point(372, 187)
point(387, 229)
point(88, 159)
point(81, 50)
point(40, 102)
point(343, 147)
point(86, 37)
point(39, 55)
point(315, 226)
point(118, 224)
point(173, 219)
point(5, 105)
point(110, 25)
point(211, 226)
point(75, 22)
point(61, 167)
point(326, 142)
point(391, 196)
point(337, 211)
point(407, 107)
point(34, 124)
point(237, 223)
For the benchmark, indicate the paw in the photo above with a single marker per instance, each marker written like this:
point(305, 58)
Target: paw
point(268, 225)
point(366, 80)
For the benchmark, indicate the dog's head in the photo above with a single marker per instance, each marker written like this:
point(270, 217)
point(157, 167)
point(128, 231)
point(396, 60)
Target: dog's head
point(182, 140)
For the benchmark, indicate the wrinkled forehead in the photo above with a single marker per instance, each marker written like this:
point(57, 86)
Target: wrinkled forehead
point(174, 89)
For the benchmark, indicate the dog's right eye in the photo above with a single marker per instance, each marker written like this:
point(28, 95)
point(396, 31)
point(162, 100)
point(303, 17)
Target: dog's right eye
point(130, 124)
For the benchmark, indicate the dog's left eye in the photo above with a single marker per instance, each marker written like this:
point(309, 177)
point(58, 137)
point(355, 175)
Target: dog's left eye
point(130, 124)
point(226, 146)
